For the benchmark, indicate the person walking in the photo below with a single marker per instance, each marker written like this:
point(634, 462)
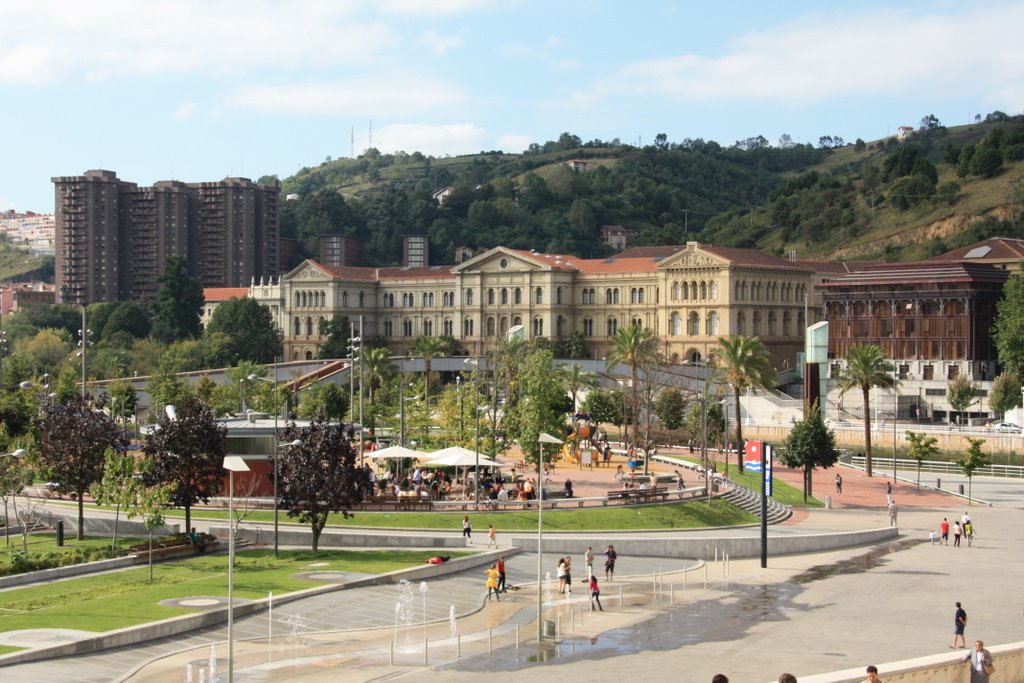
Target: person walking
point(959, 624)
point(568, 575)
point(969, 532)
point(944, 531)
point(467, 528)
point(492, 582)
point(588, 560)
point(595, 594)
point(893, 512)
point(839, 484)
point(872, 672)
point(561, 575)
point(888, 492)
point(957, 532)
point(981, 663)
point(501, 575)
point(609, 563)
point(492, 537)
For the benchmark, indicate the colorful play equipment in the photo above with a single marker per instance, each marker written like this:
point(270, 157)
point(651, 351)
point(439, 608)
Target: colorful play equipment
point(579, 439)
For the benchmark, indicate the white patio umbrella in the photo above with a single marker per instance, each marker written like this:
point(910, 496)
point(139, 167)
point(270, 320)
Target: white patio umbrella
point(457, 456)
point(398, 453)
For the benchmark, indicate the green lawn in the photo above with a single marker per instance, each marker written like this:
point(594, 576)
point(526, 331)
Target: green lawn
point(48, 542)
point(117, 600)
point(781, 491)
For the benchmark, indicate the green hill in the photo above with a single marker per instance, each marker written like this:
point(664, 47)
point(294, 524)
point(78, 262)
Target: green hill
point(17, 264)
point(939, 189)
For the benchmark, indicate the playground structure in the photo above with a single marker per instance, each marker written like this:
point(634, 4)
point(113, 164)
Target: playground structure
point(580, 442)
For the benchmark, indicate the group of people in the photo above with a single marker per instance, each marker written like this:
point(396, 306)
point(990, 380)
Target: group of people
point(564, 572)
point(962, 528)
point(980, 659)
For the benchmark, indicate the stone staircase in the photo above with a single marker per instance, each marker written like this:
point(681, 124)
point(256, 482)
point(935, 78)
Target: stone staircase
point(750, 500)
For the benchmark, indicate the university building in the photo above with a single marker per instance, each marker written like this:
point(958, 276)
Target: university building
point(690, 295)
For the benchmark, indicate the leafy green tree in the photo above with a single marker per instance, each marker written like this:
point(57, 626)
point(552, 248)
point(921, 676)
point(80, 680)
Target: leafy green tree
point(49, 349)
point(973, 459)
point(922, 447)
point(961, 392)
point(744, 363)
point(1008, 330)
point(122, 486)
point(127, 318)
point(866, 367)
point(637, 348)
point(714, 421)
point(575, 346)
point(124, 399)
point(188, 450)
point(537, 404)
point(1005, 394)
point(986, 162)
point(575, 379)
point(72, 444)
point(165, 389)
point(320, 476)
point(670, 408)
point(250, 329)
point(605, 407)
point(178, 303)
point(336, 329)
point(377, 369)
point(809, 445)
point(326, 400)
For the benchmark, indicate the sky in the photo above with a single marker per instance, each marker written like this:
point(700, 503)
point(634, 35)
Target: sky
point(198, 90)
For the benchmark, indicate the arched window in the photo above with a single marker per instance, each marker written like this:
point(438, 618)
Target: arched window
point(612, 327)
point(558, 295)
point(309, 327)
point(490, 327)
point(785, 324)
point(703, 290)
point(469, 297)
point(467, 327)
point(741, 323)
point(517, 295)
point(686, 291)
point(428, 328)
point(538, 327)
point(298, 326)
point(504, 296)
point(756, 326)
point(675, 324)
point(323, 298)
point(517, 320)
point(608, 296)
point(713, 324)
point(771, 323)
point(388, 328)
point(633, 298)
point(693, 289)
point(677, 291)
point(503, 324)
point(693, 324)
point(448, 328)
point(641, 295)
point(538, 296)
point(615, 295)
point(305, 300)
point(298, 300)
point(406, 328)
point(490, 296)
point(713, 291)
point(560, 327)
point(588, 327)
point(344, 299)
point(637, 322)
point(309, 355)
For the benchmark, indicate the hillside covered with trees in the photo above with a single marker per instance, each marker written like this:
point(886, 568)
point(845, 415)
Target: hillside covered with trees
point(937, 190)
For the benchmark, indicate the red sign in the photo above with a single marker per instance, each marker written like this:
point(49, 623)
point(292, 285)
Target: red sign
point(752, 453)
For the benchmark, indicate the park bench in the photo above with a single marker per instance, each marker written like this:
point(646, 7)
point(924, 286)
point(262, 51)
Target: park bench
point(638, 495)
point(406, 503)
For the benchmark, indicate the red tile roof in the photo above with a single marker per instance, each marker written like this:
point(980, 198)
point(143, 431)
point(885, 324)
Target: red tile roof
point(920, 272)
point(211, 294)
point(999, 249)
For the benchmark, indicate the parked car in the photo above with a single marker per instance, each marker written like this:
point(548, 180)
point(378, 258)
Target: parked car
point(1008, 427)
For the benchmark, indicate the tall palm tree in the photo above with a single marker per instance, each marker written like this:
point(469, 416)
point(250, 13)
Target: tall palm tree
point(866, 367)
point(745, 363)
point(573, 378)
point(377, 368)
point(427, 348)
point(636, 347)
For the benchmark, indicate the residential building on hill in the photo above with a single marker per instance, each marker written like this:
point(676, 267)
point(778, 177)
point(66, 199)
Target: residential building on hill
point(113, 238)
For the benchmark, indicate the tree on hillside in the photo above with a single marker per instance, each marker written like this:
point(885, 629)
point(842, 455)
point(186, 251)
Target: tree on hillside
point(320, 475)
point(809, 445)
point(866, 367)
point(187, 449)
point(250, 329)
point(178, 303)
point(72, 443)
point(745, 364)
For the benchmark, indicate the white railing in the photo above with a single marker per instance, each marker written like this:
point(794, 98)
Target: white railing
point(939, 466)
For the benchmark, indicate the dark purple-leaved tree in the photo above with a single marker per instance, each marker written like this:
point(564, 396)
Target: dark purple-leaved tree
point(188, 451)
point(72, 441)
point(319, 476)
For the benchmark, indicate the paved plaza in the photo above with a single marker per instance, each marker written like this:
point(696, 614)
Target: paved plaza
point(807, 614)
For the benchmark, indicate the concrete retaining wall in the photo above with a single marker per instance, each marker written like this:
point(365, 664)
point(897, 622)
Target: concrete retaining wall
point(103, 526)
point(736, 547)
point(383, 538)
point(942, 668)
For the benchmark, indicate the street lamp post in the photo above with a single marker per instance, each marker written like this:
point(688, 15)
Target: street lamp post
point(462, 413)
point(544, 438)
point(16, 453)
point(232, 463)
point(895, 413)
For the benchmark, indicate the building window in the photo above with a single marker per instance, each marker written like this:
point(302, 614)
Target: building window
point(560, 327)
point(558, 295)
point(309, 327)
point(490, 296)
point(517, 295)
point(538, 327)
point(785, 324)
point(490, 327)
point(344, 299)
point(756, 327)
point(448, 328)
point(713, 324)
point(677, 291)
point(504, 296)
point(741, 323)
point(538, 296)
point(467, 327)
point(675, 325)
point(608, 297)
point(406, 328)
point(298, 327)
point(612, 326)
point(388, 328)
point(469, 297)
point(713, 291)
point(693, 325)
point(428, 328)
point(588, 327)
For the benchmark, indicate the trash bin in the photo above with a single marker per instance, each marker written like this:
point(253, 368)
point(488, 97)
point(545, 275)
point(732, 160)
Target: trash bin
point(60, 533)
point(828, 502)
point(961, 487)
point(548, 628)
point(938, 484)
